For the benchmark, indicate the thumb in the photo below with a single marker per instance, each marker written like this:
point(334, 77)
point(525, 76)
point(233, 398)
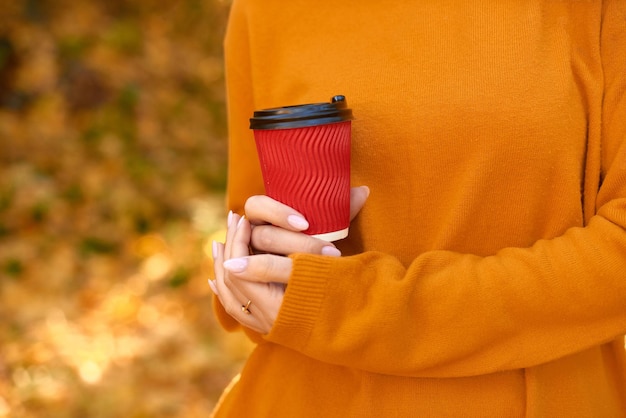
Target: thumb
point(358, 196)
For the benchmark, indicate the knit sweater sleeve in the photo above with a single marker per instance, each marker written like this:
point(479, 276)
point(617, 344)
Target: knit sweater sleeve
point(451, 314)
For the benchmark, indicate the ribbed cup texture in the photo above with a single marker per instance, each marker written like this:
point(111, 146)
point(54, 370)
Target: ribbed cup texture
point(309, 170)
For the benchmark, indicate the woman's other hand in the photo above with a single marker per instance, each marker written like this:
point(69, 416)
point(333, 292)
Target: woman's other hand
point(251, 287)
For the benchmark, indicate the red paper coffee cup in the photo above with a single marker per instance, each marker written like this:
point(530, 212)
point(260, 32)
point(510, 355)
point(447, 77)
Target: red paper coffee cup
point(304, 151)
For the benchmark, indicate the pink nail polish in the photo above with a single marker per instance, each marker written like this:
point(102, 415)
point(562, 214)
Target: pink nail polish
point(236, 265)
point(331, 251)
point(230, 217)
point(213, 286)
point(241, 221)
point(297, 222)
point(214, 249)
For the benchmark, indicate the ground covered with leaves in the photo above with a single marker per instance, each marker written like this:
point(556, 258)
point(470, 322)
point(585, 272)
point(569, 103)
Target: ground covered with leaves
point(112, 162)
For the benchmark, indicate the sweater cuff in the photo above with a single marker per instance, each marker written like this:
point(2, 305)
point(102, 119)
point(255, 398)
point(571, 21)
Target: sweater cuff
point(302, 302)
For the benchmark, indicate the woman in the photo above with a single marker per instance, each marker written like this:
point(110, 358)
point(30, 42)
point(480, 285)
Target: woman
point(485, 274)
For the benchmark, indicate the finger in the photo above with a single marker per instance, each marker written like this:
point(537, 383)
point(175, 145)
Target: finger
point(265, 301)
point(266, 268)
point(228, 297)
point(218, 268)
point(262, 209)
point(240, 246)
point(231, 229)
point(358, 196)
point(233, 300)
point(248, 313)
point(252, 312)
point(271, 239)
point(225, 294)
point(218, 286)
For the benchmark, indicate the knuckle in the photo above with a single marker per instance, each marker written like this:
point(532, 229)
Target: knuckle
point(266, 268)
point(228, 283)
point(251, 203)
point(313, 245)
point(263, 237)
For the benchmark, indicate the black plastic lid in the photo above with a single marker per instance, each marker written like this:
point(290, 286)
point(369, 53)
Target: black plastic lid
point(300, 116)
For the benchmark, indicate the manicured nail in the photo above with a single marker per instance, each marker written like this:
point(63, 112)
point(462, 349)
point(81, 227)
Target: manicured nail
point(297, 222)
point(331, 251)
point(241, 221)
point(214, 249)
point(236, 265)
point(230, 217)
point(213, 286)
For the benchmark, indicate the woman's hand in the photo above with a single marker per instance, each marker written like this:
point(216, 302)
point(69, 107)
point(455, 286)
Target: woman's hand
point(277, 228)
point(251, 287)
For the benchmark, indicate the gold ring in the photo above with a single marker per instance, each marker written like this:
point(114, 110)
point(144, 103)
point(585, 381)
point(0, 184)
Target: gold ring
point(244, 308)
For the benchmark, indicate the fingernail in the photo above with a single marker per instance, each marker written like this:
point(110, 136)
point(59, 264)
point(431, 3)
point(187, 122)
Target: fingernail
point(297, 222)
point(214, 249)
point(236, 265)
point(241, 221)
point(213, 286)
point(331, 251)
point(230, 217)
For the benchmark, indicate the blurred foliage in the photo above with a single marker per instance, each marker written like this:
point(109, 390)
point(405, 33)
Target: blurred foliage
point(112, 162)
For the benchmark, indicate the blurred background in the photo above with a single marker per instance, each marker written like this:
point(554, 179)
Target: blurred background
point(112, 172)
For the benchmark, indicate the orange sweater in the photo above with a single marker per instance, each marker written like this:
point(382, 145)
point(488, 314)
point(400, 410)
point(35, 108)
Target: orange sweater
point(486, 275)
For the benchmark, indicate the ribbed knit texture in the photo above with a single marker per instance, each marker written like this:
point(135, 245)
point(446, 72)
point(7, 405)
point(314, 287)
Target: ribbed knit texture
point(486, 274)
point(297, 320)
